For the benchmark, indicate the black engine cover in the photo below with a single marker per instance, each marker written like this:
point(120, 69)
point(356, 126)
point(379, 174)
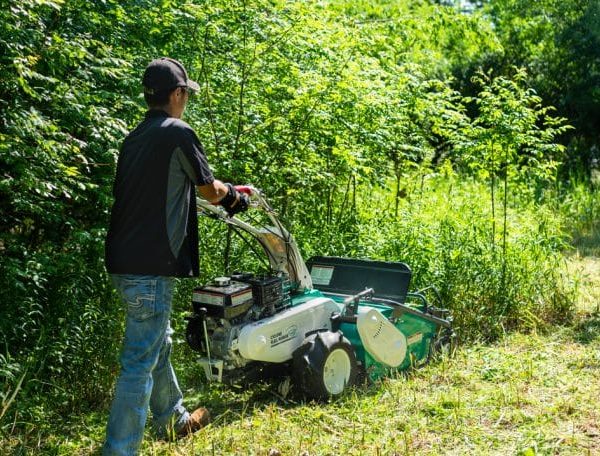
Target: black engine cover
point(267, 291)
point(227, 302)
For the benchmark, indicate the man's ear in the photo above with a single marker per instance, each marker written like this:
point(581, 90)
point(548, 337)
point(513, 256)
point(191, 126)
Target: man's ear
point(174, 96)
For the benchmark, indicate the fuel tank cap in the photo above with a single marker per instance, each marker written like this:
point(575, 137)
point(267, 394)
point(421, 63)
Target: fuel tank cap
point(222, 281)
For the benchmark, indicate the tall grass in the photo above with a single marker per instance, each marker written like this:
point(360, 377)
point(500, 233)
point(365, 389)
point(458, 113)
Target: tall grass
point(580, 209)
point(443, 231)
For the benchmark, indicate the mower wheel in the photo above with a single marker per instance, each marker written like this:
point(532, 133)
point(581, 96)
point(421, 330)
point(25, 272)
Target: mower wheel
point(193, 333)
point(324, 365)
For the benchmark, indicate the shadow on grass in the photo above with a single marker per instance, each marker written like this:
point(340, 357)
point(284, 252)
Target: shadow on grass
point(587, 241)
point(588, 329)
point(83, 433)
point(230, 403)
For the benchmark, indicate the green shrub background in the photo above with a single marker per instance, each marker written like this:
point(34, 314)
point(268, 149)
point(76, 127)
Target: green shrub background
point(406, 131)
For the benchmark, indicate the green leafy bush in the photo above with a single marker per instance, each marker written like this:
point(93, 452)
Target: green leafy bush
point(345, 113)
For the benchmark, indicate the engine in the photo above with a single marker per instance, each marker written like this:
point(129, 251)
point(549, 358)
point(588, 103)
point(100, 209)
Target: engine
point(245, 324)
point(222, 308)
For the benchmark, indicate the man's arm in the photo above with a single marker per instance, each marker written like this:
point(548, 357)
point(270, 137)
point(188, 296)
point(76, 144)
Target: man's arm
point(213, 192)
point(226, 195)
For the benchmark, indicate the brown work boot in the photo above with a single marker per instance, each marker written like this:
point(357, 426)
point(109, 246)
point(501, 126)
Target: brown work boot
point(197, 420)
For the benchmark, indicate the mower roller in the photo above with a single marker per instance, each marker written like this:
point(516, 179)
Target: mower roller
point(326, 323)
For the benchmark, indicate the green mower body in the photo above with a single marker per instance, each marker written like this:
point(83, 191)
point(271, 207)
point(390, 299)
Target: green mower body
point(325, 323)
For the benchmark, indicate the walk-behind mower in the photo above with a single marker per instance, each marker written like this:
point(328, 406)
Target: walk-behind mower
point(326, 323)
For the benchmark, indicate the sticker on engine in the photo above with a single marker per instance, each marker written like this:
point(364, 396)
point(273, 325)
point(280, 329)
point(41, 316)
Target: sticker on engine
point(415, 338)
point(241, 298)
point(208, 298)
point(321, 275)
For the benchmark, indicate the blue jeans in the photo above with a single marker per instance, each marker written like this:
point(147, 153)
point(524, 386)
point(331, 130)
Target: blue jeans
point(147, 378)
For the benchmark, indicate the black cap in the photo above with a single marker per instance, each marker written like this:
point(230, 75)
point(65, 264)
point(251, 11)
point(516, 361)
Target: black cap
point(166, 74)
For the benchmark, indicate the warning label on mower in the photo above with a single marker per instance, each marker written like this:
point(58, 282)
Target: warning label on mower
point(208, 298)
point(241, 298)
point(321, 275)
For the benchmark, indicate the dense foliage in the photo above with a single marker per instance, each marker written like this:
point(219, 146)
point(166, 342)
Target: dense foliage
point(396, 130)
point(558, 42)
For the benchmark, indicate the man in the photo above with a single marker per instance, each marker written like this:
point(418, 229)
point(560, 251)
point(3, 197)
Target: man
point(153, 238)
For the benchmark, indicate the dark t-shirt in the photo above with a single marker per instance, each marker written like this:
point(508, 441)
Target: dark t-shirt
point(153, 226)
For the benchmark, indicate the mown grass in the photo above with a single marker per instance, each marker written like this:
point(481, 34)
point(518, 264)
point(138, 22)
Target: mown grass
point(529, 392)
point(525, 394)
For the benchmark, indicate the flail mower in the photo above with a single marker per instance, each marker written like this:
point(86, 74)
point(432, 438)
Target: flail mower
point(326, 323)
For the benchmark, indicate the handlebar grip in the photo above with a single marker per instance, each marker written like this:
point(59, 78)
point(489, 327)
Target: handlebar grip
point(244, 189)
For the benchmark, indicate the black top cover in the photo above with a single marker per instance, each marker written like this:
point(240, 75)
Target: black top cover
point(389, 280)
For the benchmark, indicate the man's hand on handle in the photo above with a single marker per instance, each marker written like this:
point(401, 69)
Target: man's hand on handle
point(235, 200)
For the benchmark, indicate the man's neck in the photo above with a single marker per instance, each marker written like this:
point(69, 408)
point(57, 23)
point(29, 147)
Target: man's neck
point(170, 110)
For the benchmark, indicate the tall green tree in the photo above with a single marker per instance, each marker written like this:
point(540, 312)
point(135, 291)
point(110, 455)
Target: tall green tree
point(558, 42)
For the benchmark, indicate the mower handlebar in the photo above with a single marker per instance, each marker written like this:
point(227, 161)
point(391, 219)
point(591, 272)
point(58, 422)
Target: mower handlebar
point(247, 189)
point(254, 195)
